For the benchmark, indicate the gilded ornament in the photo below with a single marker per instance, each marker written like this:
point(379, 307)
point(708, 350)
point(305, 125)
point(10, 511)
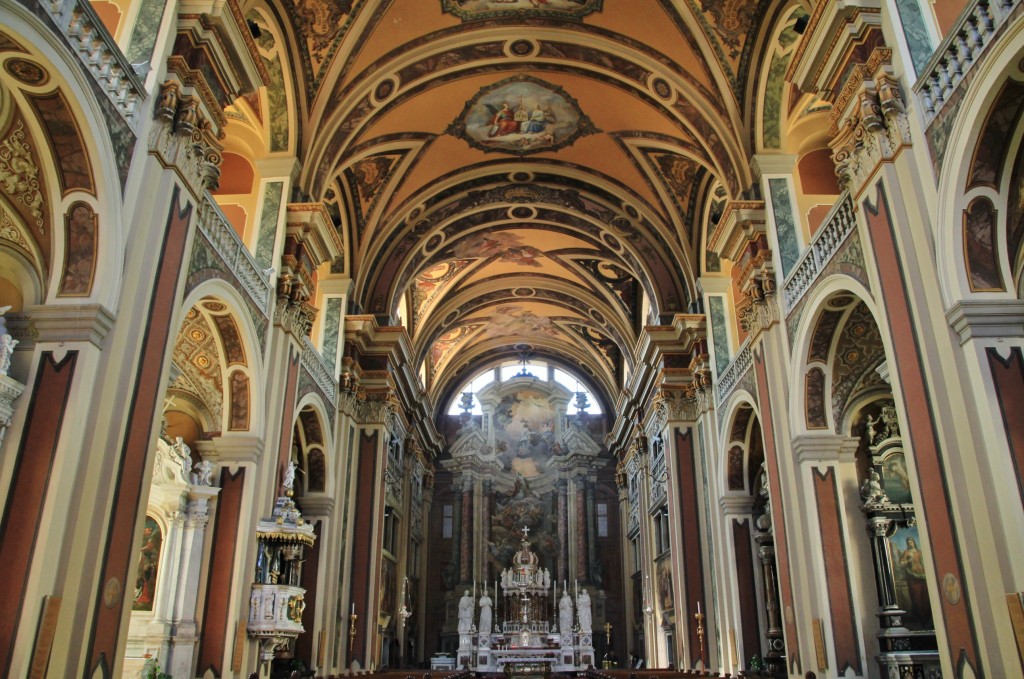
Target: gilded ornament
point(19, 174)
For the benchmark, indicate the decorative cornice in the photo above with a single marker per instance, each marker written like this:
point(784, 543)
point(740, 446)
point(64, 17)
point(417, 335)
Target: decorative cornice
point(184, 139)
point(872, 128)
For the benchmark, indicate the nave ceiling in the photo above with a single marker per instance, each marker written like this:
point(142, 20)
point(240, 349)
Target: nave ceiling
point(558, 232)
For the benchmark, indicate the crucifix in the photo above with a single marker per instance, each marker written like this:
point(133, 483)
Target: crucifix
point(526, 532)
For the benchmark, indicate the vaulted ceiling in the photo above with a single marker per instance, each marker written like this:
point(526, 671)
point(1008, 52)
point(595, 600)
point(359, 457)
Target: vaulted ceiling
point(555, 228)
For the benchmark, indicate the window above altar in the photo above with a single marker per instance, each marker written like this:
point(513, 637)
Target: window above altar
point(583, 400)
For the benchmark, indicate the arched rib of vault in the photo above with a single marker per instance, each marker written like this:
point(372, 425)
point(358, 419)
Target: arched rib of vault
point(340, 72)
point(578, 282)
point(353, 110)
point(449, 212)
point(458, 307)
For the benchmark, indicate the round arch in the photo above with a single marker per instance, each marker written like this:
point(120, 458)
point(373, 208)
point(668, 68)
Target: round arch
point(90, 119)
point(253, 367)
point(1001, 63)
point(739, 401)
point(313, 405)
point(814, 306)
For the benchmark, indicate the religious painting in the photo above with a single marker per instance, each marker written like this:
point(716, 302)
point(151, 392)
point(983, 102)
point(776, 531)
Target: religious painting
point(666, 594)
point(523, 506)
point(895, 480)
point(909, 578)
point(148, 564)
point(80, 230)
point(521, 115)
point(388, 582)
point(524, 426)
point(735, 468)
point(511, 320)
point(469, 10)
point(506, 246)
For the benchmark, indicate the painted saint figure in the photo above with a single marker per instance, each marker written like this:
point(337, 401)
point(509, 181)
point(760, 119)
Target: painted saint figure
point(504, 122)
point(538, 121)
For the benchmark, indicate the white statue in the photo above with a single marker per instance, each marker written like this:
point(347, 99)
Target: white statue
point(565, 612)
point(183, 455)
point(485, 615)
point(203, 474)
point(547, 579)
point(7, 344)
point(465, 613)
point(289, 476)
point(583, 604)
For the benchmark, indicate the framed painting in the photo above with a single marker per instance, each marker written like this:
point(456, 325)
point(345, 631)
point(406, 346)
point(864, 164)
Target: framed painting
point(521, 115)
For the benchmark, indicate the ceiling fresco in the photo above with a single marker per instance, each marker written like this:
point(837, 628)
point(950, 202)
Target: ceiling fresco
point(527, 172)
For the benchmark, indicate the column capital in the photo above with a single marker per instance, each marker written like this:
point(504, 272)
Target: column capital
point(61, 323)
point(317, 506)
point(773, 163)
point(225, 450)
point(824, 448)
point(972, 319)
point(287, 167)
point(733, 506)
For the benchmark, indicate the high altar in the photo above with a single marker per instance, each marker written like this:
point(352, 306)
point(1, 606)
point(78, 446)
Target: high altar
point(527, 636)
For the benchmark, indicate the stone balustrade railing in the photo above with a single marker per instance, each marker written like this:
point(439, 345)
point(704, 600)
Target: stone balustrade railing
point(313, 363)
point(839, 224)
point(727, 381)
point(98, 50)
point(224, 239)
point(979, 23)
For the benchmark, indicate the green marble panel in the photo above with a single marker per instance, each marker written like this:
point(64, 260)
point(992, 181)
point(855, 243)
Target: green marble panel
point(332, 321)
point(147, 26)
point(785, 224)
point(268, 225)
point(719, 333)
point(916, 33)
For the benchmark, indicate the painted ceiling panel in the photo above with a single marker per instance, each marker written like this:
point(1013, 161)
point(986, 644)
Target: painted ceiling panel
point(524, 175)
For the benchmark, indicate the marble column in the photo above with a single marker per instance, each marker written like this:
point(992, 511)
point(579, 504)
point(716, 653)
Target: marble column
point(581, 529)
point(457, 533)
point(563, 530)
point(594, 575)
point(485, 528)
point(178, 610)
point(776, 643)
point(466, 553)
point(889, 612)
point(10, 390)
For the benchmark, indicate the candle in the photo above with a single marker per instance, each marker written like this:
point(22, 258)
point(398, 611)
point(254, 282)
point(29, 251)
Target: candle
point(698, 608)
point(353, 608)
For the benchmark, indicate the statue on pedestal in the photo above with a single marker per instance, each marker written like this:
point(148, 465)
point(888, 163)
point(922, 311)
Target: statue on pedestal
point(584, 614)
point(465, 613)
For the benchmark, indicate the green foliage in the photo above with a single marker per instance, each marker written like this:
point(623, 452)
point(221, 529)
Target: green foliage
point(756, 663)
